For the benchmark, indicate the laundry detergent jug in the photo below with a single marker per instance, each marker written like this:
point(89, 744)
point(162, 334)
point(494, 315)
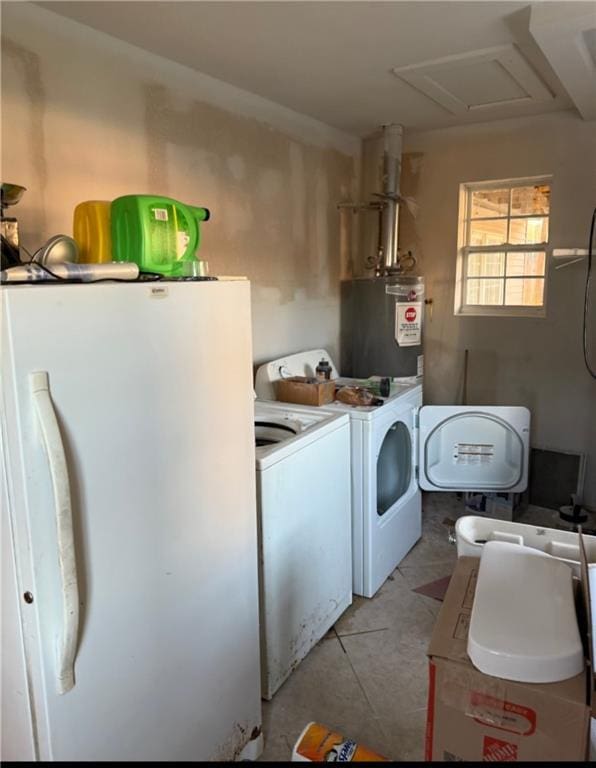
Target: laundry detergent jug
point(91, 231)
point(157, 233)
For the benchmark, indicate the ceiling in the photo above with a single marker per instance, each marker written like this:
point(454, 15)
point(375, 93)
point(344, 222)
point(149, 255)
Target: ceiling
point(357, 65)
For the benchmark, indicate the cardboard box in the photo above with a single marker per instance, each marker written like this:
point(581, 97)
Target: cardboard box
point(305, 391)
point(492, 504)
point(473, 716)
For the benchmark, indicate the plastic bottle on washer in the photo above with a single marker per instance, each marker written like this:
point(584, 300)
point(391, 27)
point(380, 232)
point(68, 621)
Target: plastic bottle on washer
point(323, 370)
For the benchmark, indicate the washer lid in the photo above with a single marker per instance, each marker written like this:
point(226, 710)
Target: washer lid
point(523, 625)
point(282, 429)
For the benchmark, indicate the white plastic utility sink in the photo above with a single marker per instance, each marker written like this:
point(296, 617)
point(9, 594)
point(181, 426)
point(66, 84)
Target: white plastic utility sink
point(472, 533)
point(524, 625)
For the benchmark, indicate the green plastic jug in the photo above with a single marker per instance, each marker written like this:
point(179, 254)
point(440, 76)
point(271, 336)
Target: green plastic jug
point(157, 233)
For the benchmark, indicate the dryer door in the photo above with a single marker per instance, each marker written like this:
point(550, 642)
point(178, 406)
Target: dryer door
point(473, 448)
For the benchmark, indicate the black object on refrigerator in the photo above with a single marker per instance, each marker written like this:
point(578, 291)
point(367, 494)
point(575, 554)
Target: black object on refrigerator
point(10, 194)
point(381, 326)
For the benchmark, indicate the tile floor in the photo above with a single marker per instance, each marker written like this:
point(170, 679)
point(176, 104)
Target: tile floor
point(367, 678)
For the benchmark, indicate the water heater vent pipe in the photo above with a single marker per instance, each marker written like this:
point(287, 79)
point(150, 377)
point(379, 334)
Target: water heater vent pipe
point(392, 149)
point(388, 260)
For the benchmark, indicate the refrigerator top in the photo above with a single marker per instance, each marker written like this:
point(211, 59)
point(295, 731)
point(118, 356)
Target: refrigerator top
point(119, 283)
point(41, 296)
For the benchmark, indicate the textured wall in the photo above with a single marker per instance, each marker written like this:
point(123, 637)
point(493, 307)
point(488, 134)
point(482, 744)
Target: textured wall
point(88, 117)
point(536, 362)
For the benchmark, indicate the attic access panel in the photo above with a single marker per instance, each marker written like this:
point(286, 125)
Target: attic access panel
point(479, 80)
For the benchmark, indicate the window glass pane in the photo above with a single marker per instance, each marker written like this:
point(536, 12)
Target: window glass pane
point(490, 202)
point(484, 291)
point(534, 230)
point(488, 232)
point(486, 264)
point(530, 263)
point(528, 200)
point(516, 215)
point(526, 292)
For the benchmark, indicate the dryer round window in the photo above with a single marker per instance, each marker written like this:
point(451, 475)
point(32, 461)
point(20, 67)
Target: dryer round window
point(394, 466)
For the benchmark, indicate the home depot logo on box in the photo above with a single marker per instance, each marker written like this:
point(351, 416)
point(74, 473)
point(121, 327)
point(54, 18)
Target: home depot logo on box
point(502, 714)
point(497, 751)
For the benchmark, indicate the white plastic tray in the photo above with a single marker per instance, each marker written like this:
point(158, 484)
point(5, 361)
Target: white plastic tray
point(472, 532)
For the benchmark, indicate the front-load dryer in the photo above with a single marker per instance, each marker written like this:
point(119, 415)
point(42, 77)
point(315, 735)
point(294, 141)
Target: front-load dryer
point(304, 523)
point(399, 448)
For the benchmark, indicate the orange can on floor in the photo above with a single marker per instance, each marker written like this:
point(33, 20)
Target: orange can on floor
point(319, 744)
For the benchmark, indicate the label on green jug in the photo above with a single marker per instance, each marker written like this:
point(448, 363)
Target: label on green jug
point(163, 243)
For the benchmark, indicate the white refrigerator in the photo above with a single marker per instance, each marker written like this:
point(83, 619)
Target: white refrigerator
point(129, 538)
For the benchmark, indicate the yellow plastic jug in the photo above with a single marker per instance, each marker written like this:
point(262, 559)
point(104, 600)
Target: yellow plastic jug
point(92, 231)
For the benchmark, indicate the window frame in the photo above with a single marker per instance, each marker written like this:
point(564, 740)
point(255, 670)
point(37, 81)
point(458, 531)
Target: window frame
point(464, 250)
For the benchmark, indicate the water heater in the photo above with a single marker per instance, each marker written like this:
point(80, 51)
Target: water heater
point(381, 326)
point(381, 316)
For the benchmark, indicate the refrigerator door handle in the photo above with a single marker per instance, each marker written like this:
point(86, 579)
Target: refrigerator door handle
point(54, 447)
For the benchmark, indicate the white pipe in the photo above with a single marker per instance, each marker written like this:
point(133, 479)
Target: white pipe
point(392, 151)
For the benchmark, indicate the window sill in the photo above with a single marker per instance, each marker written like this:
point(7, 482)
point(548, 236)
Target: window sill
point(539, 312)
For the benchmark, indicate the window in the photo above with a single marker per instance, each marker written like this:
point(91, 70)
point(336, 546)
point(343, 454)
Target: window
point(503, 236)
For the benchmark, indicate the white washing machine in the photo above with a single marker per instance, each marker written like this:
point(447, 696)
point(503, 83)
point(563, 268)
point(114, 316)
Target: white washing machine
point(304, 523)
point(399, 448)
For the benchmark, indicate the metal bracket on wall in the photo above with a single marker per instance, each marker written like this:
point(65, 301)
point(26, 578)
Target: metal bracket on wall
point(573, 254)
point(356, 207)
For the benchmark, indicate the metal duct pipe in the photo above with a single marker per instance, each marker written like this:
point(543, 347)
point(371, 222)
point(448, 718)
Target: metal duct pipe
point(392, 149)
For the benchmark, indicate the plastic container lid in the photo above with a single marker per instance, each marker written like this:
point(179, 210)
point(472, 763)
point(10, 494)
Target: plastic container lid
point(524, 625)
